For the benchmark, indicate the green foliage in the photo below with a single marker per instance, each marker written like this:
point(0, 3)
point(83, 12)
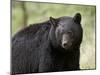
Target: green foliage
point(39, 12)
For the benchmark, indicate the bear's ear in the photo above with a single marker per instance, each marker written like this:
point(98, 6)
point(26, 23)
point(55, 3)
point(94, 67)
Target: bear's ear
point(77, 18)
point(53, 21)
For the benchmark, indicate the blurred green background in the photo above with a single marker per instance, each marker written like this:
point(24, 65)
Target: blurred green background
point(26, 13)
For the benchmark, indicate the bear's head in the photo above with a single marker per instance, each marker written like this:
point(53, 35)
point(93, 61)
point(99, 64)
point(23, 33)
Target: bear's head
point(66, 32)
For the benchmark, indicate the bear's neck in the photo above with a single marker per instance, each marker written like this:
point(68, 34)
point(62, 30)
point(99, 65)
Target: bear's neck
point(70, 57)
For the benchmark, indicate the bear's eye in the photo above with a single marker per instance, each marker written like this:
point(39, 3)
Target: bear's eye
point(62, 30)
point(70, 33)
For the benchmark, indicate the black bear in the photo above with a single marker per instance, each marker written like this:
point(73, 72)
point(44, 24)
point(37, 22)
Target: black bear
point(50, 46)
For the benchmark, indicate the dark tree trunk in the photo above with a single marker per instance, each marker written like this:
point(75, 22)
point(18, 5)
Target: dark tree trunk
point(25, 17)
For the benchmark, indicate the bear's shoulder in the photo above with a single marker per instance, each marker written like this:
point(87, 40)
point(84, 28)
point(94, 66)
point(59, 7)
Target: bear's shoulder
point(32, 29)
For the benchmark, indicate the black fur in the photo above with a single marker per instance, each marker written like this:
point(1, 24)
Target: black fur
point(35, 48)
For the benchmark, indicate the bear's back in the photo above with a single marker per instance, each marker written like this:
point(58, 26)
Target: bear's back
point(32, 31)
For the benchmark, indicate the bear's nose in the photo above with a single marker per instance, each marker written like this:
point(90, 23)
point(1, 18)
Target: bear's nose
point(64, 44)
